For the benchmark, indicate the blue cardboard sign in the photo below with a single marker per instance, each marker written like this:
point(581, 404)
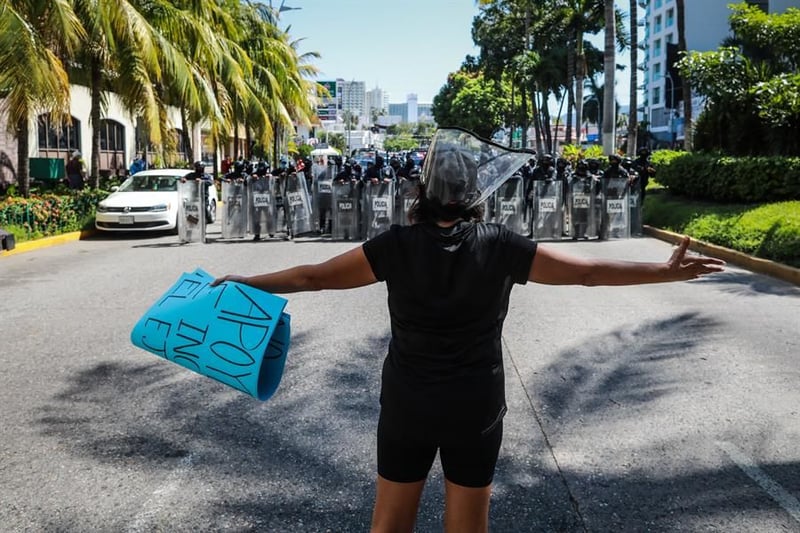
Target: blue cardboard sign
point(233, 333)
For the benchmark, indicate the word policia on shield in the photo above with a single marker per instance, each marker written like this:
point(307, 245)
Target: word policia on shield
point(233, 333)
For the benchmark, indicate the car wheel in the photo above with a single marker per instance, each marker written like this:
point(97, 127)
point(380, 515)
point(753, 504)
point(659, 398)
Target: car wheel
point(211, 212)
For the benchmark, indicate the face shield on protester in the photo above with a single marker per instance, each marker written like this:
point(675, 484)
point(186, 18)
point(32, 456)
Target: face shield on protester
point(462, 170)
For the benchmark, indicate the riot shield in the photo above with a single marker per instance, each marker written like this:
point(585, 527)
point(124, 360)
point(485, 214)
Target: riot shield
point(263, 210)
point(378, 207)
point(345, 211)
point(406, 196)
point(234, 209)
point(509, 205)
point(635, 214)
point(322, 202)
point(616, 208)
point(548, 218)
point(297, 204)
point(191, 211)
point(581, 207)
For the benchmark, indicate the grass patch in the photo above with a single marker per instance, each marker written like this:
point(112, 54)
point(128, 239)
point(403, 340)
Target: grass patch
point(769, 231)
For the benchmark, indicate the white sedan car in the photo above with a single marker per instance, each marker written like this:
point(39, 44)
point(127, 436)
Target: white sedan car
point(148, 201)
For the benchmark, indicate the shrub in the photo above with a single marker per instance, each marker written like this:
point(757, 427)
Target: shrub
point(728, 179)
point(49, 214)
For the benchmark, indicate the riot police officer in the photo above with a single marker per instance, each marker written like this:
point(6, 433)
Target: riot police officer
point(642, 169)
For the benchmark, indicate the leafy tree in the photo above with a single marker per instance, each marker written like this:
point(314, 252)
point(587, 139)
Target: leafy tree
point(472, 102)
point(398, 143)
point(752, 101)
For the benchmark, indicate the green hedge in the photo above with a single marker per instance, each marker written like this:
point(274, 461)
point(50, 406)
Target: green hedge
point(769, 231)
point(728, 179)
point(49, 214)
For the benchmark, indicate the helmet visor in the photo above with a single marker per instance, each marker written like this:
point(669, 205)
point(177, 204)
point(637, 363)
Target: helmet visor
point(464, 169)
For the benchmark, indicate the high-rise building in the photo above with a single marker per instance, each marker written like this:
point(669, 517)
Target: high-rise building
point(413, 116)
point(706, 26)
point(378, 100)
point(354, 97)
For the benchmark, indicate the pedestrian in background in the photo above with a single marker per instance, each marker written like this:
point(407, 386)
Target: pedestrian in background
point(449, 277)
point(76, 171)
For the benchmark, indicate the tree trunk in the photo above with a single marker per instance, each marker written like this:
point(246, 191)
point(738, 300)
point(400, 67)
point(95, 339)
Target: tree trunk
point(609, 64)
point(570, 94)
point(686, 89)
point(580, 77)
point(23, 173)
point(94, 122)
point(633, 109)
point(186, 139)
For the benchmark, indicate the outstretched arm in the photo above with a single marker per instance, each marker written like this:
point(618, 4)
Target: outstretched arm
point(346, 271)
point(556, 268)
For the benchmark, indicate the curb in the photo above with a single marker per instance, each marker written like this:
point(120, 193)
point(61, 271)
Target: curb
point(755, 264)
point(46, 242)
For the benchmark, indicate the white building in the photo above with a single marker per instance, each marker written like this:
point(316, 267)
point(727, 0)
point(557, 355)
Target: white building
point(706, 24)
point(353, 97)
point(121, 137)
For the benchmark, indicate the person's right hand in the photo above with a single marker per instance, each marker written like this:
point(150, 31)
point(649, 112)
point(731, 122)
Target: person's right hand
point(229, 277)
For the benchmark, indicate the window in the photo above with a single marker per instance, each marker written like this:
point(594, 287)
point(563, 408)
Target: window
point(669, 38)
point(112, 136)
point(656, 95)
point(657, 48)
point(51, 137)
point(658, 3)
point(657, 25)
point(656, 71)
point(670, 17)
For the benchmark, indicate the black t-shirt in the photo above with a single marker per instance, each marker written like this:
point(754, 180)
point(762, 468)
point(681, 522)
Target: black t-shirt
point(448, 291)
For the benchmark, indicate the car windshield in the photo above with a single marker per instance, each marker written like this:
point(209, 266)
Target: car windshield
point(138, 183)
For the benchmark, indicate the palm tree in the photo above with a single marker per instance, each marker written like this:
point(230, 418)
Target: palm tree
point(633, 107)
point(609, 66)
point(581, 17)
point(118, 54)
point(34, 37)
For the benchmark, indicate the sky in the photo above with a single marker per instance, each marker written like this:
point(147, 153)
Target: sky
point(401, 46)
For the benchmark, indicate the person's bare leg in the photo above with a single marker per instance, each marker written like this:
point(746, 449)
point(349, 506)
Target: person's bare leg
point(396, 506)
point(466, 509)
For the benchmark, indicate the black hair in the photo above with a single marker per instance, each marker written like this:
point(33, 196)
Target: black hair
point(425, 209)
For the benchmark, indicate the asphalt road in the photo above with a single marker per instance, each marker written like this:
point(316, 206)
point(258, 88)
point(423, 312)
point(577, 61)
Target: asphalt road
point(658, 408)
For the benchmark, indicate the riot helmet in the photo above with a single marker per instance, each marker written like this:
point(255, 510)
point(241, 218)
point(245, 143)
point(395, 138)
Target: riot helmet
point(643, 152)
point(199, 167)
point(461, 169)
point(593, 164)
point(614, 160)
point(546, 160)
point(582, 168)
point(262, 168)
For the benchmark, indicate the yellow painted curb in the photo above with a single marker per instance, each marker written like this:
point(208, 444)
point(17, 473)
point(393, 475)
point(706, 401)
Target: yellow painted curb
point(44, 242)
point(755, 264)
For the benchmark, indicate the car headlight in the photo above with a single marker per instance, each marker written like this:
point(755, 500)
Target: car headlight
point(101, 208)
point(160, 207)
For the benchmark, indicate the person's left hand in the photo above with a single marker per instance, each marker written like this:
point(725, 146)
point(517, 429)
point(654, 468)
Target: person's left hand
point(683, 267)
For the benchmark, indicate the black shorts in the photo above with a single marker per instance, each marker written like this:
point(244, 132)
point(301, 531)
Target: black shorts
point(469, 462)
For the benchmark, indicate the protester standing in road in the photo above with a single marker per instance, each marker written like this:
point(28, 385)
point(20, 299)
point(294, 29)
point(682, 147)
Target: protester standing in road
point(448, 278)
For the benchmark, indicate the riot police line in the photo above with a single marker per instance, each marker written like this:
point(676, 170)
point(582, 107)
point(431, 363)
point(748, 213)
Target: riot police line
point(545, 200)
